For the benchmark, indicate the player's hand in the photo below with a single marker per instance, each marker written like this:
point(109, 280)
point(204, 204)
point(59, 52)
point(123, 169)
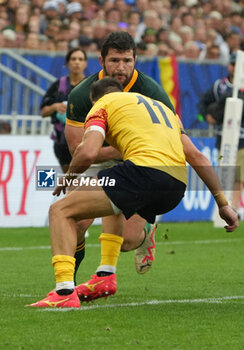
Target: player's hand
point(230, 217)
point(60, 188)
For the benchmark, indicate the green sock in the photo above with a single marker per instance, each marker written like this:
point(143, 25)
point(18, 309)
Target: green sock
point(79, 256)
point(147, 229)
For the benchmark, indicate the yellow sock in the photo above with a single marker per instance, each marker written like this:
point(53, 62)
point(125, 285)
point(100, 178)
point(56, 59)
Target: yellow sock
point(64, 266)
point(110, 248)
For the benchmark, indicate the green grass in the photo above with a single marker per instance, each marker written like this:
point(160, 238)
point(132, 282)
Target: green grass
point(193, 268)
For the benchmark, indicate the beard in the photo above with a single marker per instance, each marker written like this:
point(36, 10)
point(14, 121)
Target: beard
point(125, 81)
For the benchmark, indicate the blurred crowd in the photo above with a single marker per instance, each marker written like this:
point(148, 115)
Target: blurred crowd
point(184, 28)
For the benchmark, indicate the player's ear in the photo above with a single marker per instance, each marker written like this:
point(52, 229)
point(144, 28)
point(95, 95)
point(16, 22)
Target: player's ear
point(101, 61)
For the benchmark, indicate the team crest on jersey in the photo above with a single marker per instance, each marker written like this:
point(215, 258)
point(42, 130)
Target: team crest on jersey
point(71, 108)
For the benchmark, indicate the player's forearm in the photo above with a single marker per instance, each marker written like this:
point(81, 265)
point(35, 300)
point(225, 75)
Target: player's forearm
point(81, 161)
point(206, 172)
point(107, 153)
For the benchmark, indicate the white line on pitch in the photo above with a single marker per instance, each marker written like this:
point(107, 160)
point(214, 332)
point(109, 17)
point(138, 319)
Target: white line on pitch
point(151, 302)
point(96, 245)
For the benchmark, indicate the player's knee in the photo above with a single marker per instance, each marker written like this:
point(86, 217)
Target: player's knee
point(55, 211)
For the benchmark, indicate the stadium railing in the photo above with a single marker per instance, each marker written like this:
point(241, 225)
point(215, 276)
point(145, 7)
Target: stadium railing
point(21, 83)
point(27, 124)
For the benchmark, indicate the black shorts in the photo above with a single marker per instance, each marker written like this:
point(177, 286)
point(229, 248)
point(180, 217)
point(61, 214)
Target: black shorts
point(61, 151)
point(142, 190)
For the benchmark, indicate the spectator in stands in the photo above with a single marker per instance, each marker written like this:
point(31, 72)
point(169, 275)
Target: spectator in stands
point(12, 6)
point(123, 8)
point(200, 37)
point(112, 26)
point(188, 20)
point(99, 31)
point(163, 35)
point(164, 49)
point(178, 49)
point(84, 43)
point(74, 33)
point(179, 20)
point(152, 50)
point(212, 39)
point(141, 48)
point(9, 38)
point(134, 17)
point(37, 4)
point(211, 107)
point(191, 50)
point(151, 20)
point(236, 22)
point(34, 25)
point(22, 18)
point(62, 8)
point(74, 11)
point(175, 25)
point(212, 52)
point(54, 102)
point(32, 41)
point(53, 29)
point(149, 36)
point(62, 45)
point(233, 41)
point(186, 34)
point(50, 12)
point(86, 29)
point(113, 15)
point(64, 32)
point(4, 19)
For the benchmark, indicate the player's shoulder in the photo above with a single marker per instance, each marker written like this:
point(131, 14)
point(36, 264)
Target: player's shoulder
point(144, 78)
point(83, 87)
point(146, 85)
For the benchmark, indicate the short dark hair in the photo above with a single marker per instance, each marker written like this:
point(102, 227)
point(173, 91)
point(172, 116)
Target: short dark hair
point(104, 86)
point(71, 51)
point(120, 41)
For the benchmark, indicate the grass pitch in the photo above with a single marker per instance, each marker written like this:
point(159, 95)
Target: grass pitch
point(192, 299)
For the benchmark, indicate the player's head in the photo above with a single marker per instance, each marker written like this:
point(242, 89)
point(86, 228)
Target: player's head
point(76, 60)
point(119, 41)
point(104, 86)
point(118, 56)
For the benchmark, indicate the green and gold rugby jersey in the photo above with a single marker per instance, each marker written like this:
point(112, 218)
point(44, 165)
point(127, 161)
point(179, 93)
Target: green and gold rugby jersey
point(79, 103)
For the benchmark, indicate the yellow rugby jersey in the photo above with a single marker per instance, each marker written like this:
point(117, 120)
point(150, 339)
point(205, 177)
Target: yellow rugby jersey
point(144, 130)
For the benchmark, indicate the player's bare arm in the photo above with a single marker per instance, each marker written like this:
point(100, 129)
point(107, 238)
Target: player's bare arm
point(74, 136)
point(85, 154)
point(206, 172)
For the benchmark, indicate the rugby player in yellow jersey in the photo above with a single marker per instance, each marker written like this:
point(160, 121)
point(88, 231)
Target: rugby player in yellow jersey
point(150, 181)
